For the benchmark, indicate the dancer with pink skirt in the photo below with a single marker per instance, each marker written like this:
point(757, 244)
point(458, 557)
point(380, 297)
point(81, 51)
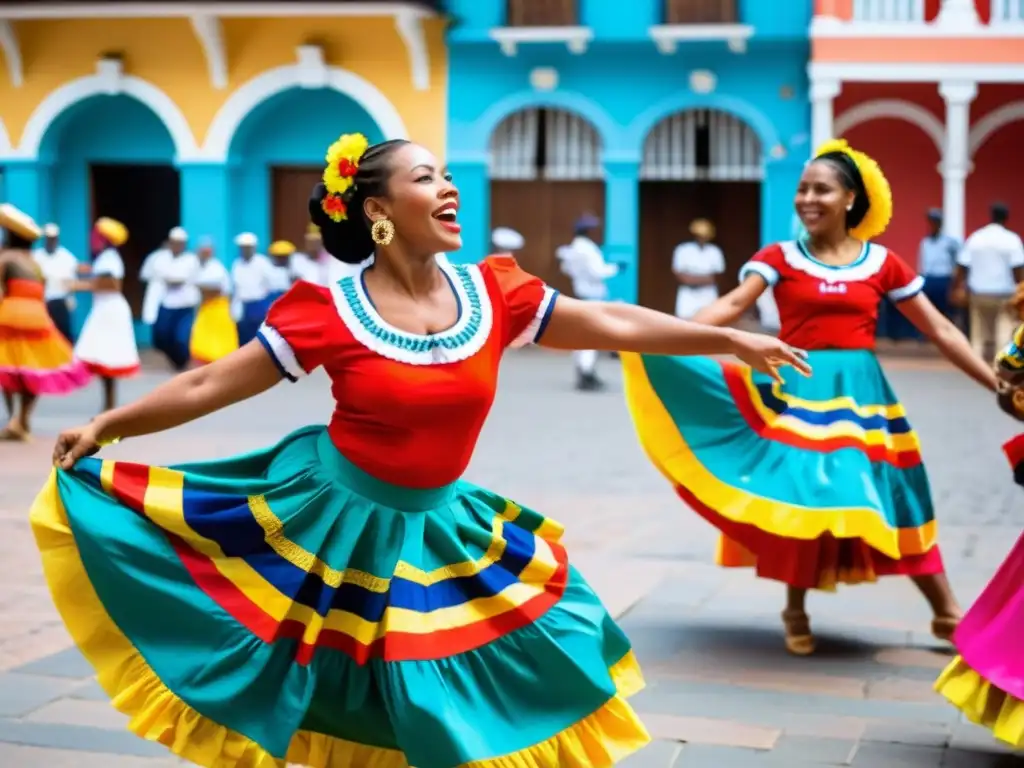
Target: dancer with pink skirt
point(986, 680)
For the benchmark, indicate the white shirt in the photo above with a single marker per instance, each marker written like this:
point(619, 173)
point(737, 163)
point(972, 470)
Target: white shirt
point(584, 264)
point(701, 261)
point(305, 267)
point(990, 255)
point(148, 274)
point(213, 275)
point(183, 268)
point(280, 277)
point(253, 279)
point(58, 268)
point(108, 264)
point(936, 255)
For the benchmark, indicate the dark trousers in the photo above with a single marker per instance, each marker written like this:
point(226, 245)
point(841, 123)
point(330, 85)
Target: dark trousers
point(61, 316)
point(253, 315)
point(172, 333)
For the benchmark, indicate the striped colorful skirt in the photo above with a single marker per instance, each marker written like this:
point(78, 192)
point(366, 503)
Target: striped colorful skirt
point(986, 680)
point(814, 483)
point(34, 356)
point(214, 333)
point(284, 605)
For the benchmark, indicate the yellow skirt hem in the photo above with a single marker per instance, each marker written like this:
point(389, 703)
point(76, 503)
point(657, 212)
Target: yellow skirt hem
point(983, 703)
point(156, 714)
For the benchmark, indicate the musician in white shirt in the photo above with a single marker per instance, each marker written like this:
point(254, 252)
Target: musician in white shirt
point(583, 262)
point(697, 265)
point(177, 273)
point(253, 277)
point(281, 253)
point(60, 270)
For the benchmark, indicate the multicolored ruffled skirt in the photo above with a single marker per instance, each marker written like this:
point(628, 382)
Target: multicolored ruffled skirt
point(34, 356)
point(986, 680)
point(214, 333)
point(286, 605)
point(814, 483)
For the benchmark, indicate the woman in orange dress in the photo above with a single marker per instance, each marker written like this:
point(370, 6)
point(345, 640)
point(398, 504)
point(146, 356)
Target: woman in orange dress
point(35, 359)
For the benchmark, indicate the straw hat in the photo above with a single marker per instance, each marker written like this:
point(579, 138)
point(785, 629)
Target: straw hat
point(702, 228)
point(281, 248)
point(18, 222)
point(113, 230)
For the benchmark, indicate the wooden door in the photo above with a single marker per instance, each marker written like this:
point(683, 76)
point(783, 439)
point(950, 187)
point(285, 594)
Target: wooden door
point(666, 210)
point(146, 199)
point(544, 213)
point(289, 200)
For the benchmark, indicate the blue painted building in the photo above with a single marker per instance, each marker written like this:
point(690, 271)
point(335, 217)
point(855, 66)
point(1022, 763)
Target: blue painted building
point(649, 119)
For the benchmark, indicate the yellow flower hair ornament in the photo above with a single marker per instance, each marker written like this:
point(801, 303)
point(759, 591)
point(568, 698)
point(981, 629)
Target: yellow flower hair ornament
point(339, 177)
point(876, 186)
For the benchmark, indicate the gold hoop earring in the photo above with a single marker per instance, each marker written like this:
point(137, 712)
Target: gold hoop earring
point(382, 232)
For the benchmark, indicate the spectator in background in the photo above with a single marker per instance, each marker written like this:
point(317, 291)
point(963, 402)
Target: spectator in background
point(697, 265)
point(936, 263)
point(988, 269)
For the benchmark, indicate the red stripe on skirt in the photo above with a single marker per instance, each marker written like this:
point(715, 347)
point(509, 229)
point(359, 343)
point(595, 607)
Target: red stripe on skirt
point(820, 563)
point(737, 385)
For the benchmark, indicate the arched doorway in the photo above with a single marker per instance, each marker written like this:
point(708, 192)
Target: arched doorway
point(994, 138)
point(697, 163)
point(277, 157)
point(112, 156)
point(545, 171)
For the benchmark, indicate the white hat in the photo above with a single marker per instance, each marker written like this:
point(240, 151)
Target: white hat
point(178, 235)
point(51, 230)
point(507, 239)
point(246, 238)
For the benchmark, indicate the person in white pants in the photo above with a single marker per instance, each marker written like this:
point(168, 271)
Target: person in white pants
point(583, 262)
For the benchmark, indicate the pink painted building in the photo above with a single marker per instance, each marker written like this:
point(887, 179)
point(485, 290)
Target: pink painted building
point(932, 89)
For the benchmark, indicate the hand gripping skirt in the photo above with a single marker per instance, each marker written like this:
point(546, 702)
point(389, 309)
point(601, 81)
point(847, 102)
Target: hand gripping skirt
point(986, 680)
point(814, 483)
point(286, 605)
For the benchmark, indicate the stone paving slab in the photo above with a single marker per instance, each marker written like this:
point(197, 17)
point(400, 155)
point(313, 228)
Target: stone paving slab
point(722, 693)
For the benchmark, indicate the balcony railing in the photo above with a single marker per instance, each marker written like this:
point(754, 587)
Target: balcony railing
point(543, 13)
point(1007, 12)
point(700, 12)
point(888, 10)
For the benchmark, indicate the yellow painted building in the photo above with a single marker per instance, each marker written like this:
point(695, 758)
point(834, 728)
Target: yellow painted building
point(213, 116)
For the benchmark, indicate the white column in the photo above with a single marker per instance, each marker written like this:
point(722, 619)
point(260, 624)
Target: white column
point(823, 94)
point(957, 15)
point(956, 160)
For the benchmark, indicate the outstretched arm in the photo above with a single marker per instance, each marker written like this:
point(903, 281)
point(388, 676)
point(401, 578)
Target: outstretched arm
point(731, 307)
point(948, 338)
point(629, 328)
point(187, 397)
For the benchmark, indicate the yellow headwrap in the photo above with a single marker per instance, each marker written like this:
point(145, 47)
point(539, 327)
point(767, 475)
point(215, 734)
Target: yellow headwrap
point(281, 248)
point(113, 230)
point(876, 186)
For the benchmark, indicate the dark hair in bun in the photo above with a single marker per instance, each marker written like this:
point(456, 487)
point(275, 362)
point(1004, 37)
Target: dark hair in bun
point(851, 179)
point(349, 240)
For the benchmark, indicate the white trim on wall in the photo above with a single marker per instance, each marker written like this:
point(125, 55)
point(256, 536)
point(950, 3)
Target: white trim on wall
point(5, 139)
point(897, 109)
point(992, 122)
point(108, 80)
point(12, 53)
point(302, 75)
point(895, 72)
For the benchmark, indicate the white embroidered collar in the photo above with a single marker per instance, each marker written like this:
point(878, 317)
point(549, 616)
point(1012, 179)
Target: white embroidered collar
point(870, 261)
point(463, 340)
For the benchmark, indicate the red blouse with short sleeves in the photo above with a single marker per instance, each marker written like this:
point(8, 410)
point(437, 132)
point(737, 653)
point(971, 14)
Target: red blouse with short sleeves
point(826, 307)
point(409, 408)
